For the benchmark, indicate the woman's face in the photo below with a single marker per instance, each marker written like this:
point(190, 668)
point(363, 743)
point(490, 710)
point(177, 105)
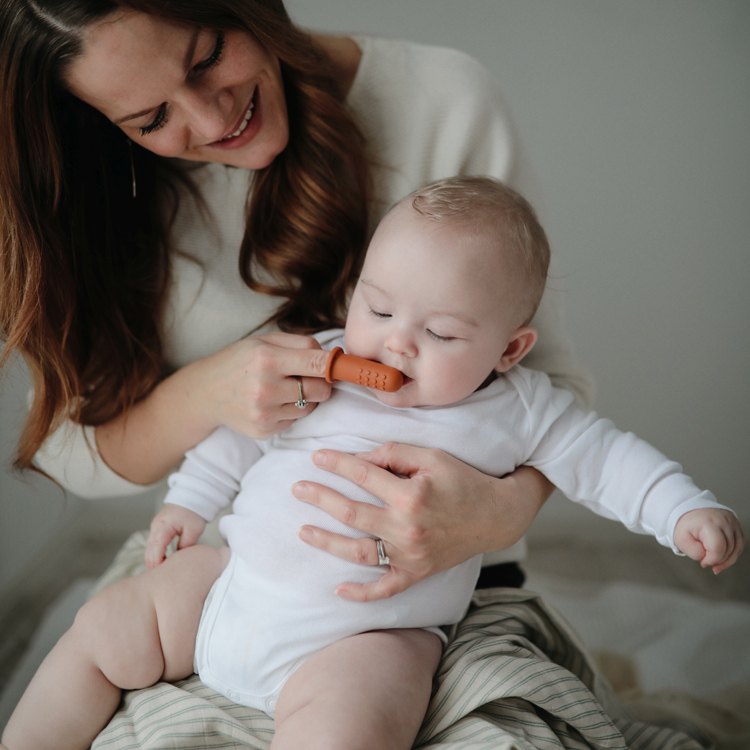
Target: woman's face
point(184, 92)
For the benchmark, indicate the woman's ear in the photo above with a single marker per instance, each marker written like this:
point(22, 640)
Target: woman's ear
point(520, 344)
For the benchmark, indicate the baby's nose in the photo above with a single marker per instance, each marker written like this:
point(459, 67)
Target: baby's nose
point(401, 342)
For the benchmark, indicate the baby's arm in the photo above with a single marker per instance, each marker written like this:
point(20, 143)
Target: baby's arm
point(711, 536)
point(206, 483)
point(620, 476)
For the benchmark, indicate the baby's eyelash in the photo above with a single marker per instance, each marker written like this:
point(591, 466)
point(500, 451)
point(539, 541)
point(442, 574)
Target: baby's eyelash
point(158, 122)
point(438, 337)
point(379, 315)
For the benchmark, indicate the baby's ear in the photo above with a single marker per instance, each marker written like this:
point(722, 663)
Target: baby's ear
point(520, 344)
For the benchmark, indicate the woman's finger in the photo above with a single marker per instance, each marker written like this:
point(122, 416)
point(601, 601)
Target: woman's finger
point(376, 480)
point(362, 551)
point(400, 458)
point(299, 390)
point(364, 517)
point(297, 355)
point(389, 584)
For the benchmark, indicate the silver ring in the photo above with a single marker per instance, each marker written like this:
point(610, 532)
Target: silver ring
point(301, 402)
point(383, 559)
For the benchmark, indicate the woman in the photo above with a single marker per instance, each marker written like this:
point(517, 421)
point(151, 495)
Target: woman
point(132, 135)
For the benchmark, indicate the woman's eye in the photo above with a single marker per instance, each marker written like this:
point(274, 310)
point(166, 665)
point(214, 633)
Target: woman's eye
point(161, 116)
point(158, 122)
point(214, 57)
point(438, 337)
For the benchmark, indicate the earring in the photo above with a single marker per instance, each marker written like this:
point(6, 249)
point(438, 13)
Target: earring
point(132, 165)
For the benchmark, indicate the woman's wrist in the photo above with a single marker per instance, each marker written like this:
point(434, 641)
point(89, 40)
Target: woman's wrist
point(516, 500)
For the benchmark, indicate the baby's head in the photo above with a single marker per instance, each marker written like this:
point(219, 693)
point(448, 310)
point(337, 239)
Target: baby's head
point(452, 277)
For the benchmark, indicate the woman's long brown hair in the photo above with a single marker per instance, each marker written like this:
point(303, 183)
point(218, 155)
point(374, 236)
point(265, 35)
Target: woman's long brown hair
point(84, 266)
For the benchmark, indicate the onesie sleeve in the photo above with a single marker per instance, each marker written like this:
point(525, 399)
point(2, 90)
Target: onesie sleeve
point(613, 473)
point(211, 474)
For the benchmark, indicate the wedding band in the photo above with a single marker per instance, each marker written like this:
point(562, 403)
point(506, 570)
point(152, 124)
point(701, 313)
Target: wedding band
point(383, 559)
point(301, 402)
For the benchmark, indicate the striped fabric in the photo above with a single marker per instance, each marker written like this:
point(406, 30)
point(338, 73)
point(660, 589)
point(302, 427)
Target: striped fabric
point(513, 677)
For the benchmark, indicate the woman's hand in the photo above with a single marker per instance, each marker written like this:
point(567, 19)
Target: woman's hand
point(250, 386)
point(438, 513)
point(255, 383)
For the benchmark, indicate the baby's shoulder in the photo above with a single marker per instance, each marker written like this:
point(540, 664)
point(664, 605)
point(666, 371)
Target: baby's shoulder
point(535, 389)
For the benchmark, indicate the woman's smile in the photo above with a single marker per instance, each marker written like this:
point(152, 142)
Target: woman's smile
point(242, 125)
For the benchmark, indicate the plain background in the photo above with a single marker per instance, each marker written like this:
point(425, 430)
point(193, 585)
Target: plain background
point(636, 114)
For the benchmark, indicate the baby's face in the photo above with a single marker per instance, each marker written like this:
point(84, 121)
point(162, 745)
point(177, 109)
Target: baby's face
point(436, 302)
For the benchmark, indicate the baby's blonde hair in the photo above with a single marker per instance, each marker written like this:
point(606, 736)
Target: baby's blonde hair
point(485, 205)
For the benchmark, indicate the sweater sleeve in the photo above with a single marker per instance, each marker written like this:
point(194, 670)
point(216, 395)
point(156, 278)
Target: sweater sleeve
point(613, 473)
point(211, 474)
point(71, 458)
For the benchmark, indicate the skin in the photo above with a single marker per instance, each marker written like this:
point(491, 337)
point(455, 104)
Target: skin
point(251, 385)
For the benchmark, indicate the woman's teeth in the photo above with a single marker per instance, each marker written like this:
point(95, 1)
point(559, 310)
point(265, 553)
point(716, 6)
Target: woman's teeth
point(244, 123)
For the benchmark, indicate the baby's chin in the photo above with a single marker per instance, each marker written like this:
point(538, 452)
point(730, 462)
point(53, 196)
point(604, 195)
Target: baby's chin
point(411, 396)
point(407, 396)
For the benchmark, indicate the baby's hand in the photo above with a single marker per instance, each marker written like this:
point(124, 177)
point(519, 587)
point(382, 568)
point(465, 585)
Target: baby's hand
point(711, 536)
point(169, 522)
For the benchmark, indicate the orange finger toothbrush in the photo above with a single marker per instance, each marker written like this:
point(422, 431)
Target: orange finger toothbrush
point(352, 369)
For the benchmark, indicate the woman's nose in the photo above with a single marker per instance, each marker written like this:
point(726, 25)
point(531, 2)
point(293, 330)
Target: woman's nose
point(208, 114)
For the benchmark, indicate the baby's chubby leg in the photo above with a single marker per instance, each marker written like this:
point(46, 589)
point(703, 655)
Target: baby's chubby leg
point(368, 691)
point(131, 635)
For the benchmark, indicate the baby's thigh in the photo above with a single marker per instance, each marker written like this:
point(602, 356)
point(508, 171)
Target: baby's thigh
point(367, 691)
point(142, 629)
point(179, 589)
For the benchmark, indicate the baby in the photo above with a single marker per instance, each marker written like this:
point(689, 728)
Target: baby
point(452, 277)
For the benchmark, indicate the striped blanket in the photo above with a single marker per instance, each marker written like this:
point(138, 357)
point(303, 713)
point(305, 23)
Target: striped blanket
point(513, 677)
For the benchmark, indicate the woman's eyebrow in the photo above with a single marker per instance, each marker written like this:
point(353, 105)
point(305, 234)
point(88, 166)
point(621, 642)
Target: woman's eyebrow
point(189, 52)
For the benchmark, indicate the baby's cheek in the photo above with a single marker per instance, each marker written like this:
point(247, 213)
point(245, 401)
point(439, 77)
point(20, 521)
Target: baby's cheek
point(447, 384)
